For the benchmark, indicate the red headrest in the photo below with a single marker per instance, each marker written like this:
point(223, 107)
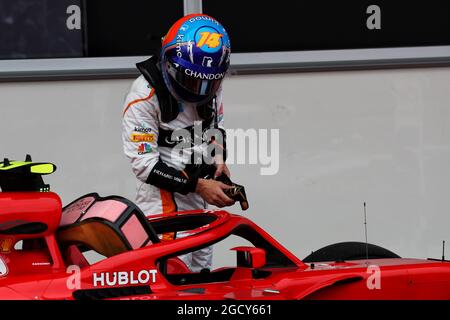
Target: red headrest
point(29, 215)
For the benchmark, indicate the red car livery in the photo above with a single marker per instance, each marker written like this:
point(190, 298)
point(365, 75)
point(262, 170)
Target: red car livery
point(46, 253)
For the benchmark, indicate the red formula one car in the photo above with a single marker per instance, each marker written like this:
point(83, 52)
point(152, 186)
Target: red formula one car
point(44, 254)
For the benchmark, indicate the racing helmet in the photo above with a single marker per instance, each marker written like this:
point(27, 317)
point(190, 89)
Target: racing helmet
point(195, 56)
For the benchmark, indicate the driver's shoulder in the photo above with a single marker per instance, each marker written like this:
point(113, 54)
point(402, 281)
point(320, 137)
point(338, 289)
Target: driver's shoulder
point(141, 88)
point(141, 92)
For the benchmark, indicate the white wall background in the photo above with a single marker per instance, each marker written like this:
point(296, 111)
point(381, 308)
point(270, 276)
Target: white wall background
point(345, 137)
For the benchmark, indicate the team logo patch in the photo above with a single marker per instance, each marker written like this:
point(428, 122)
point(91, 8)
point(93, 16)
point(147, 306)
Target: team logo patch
point(208, 39)
point(144, 148)
point(142, 137)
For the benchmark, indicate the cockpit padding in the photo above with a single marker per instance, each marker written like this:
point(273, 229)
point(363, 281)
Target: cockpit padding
point(110, 225)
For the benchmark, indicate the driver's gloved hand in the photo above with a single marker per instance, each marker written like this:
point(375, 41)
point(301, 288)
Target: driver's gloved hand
point(207, 171)
point(236, 192)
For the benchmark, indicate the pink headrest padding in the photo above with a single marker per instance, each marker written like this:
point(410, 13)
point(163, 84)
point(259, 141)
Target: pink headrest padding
point(74, 211)
point(134, 232)
point(109, 210)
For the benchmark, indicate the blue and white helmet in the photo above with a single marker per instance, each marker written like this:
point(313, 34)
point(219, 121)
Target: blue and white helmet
point(195, 57)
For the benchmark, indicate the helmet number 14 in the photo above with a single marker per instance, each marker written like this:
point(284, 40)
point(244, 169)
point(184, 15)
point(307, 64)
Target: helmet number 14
point(211, 39)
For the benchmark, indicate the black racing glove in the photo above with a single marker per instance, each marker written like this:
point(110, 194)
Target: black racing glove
point(207, 171)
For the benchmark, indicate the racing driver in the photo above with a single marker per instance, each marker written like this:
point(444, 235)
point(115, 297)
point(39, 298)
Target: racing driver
point(179, 90)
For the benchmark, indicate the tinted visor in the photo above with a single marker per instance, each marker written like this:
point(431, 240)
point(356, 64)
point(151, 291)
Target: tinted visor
point(194, 82)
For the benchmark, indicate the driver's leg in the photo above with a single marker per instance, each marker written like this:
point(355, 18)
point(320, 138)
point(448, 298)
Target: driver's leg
point(198, 260)
point(202, 259)
point(187, 259)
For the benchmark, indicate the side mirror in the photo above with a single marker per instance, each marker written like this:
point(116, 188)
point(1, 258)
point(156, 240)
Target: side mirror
point(250, 257)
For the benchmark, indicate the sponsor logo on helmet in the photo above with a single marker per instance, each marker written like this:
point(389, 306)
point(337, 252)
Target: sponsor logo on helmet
point(205, 18)
point(178, 46)
point(204, 76)
point(207, 62)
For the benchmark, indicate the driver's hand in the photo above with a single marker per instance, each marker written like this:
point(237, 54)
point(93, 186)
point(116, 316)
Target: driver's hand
point(221, 168)
point(212, 192)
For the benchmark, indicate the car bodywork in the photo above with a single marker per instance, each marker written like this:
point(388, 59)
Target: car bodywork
point(51, 270)
point(43, 255)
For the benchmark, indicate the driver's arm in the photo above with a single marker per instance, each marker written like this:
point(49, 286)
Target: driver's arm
point(140, 135)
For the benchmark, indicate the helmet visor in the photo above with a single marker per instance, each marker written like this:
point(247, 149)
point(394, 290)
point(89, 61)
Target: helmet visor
point(195, 83)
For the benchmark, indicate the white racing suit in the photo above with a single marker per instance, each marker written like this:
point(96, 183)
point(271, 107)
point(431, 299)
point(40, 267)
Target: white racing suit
point(162, 184)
